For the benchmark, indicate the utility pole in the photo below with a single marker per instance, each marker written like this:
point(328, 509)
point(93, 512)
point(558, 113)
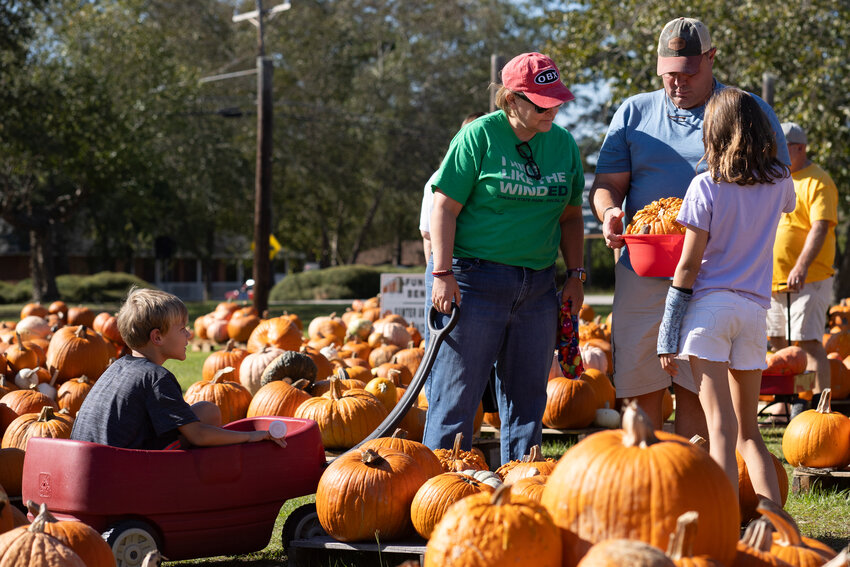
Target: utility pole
point(263, 181)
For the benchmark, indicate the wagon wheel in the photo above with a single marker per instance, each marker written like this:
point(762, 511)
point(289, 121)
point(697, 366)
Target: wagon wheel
point(302, 523)
point(131, 541)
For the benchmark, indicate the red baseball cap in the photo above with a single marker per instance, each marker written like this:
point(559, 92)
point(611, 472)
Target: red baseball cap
point(538, 78)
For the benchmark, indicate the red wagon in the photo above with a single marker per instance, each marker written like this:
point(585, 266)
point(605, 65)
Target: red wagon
point(199, 502)
point(189, 503)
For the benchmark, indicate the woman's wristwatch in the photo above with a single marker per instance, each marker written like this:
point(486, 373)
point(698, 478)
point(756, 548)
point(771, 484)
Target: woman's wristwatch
point(579, 273)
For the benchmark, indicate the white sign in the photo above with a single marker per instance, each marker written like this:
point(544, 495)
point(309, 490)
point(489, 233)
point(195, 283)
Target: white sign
point(404, 294)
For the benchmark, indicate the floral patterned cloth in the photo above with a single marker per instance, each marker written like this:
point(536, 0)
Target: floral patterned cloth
point(569, 356)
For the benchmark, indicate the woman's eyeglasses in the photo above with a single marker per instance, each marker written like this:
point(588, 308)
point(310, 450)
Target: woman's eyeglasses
point(531, 168)
point(538, 109)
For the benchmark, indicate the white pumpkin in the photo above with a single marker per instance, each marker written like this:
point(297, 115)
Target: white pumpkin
point(607, 418)
point(594, 357)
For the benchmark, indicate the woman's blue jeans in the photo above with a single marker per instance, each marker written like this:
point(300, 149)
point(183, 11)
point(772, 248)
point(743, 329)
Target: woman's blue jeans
point(508, 317)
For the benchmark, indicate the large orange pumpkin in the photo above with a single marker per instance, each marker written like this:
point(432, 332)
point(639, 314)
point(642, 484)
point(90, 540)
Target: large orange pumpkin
point(231, 397)
point(279, 398)
point(817, 438)
point(365, 495)
point(436, 495)
point(788, 544)
point(424, 457)
point(345, 417)
point(681, 546)
point(280, 332)
point(27, 401)
point(78, 351)
point(46, 423)
point(79, 536)
point(570, 403)
point(787, 361)
point(30, 546)
point(634, 483)
point(231, 356)
point(602, 385)
point(494, 529)
point(748, 500)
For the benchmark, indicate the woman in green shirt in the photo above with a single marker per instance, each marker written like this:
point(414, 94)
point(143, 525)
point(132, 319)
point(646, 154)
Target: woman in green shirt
point(507, 197)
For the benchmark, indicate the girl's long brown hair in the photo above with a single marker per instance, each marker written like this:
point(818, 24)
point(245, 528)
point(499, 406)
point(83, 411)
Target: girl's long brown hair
point(740, 145)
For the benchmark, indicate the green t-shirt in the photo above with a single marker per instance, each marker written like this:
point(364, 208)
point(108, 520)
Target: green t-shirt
point(507, 217)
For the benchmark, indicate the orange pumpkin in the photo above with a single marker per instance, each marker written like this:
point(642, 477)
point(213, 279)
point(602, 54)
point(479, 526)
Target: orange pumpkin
point(531, 464)
point(24, 354)
point(231, 397)
point(344, 417)
point(384, 389)
point(754, 548)
point(280, 332)
point(747, 498)
point(530, 486)
point(35, 308)
point(231, 356)
point(437, 494)
point(27, 401)
point(457, 460)
point(278, 398)
point(837, 342)
point(80, 315)
point(787, 361)
point(78, 351)
point(11, 470)
point(681, 546)
point(30, 546)
point(818, 438)
point(787, 543)
point(79, 536)
point(495, 529)
point(839, 377)
point(599, 490)
point(330, 327)
point(242, 323)
point(570, 403)
point(350, 499)
point(46, 423)
point(602, 386)
point(71, 394)
point(425, 457)
point(411, 357)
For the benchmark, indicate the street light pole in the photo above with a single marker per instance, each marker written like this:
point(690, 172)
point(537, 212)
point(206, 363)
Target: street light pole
point(263, 180)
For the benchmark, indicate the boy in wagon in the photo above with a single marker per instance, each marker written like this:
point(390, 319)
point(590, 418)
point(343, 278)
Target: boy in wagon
point(137, 403)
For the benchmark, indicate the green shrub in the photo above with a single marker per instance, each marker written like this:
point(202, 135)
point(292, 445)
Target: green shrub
point(103, 287)
point(338, 282)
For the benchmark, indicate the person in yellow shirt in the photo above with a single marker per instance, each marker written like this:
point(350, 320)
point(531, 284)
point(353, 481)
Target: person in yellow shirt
point(803, 256)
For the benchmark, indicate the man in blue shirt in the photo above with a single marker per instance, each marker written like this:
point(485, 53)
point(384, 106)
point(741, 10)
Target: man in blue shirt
point(651, 151)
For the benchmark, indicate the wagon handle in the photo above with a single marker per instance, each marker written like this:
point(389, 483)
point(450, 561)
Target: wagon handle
point(412, 393)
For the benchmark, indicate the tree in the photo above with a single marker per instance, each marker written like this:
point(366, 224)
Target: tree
point(803, 44)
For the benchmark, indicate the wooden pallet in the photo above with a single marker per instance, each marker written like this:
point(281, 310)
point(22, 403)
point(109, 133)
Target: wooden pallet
point(325, 550)
point(805, 479)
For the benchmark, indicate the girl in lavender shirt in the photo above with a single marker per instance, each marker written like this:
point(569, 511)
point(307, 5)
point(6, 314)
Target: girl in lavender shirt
point(716, 307)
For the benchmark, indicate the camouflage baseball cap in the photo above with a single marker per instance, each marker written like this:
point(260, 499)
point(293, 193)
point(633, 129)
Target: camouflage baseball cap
point(681, 45)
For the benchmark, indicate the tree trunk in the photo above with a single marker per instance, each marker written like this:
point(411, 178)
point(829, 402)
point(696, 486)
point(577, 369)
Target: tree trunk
point(44, 287)
point(367, 224)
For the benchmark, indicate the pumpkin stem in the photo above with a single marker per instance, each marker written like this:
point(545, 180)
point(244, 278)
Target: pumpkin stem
point(682, 540)
point(536, 454)
point(335, 388)
point(229, 345)
point(699, 441)
point(840, 560)
point(394, 375)
point(46, 414)
point(21, 346)
point(221, 372)
point(501, 496)
point(399, 433)
point(53, 376)
point(36, 510)
point(371, 457)
point(824, 405)
point(637, 428)
point(455, 454)
point(782, 522)
point(80, 332)
point(758, 535)
point(301, 384)
point(37, 525)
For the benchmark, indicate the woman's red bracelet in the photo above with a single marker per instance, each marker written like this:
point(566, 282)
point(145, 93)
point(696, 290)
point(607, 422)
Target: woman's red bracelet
point(441, 273)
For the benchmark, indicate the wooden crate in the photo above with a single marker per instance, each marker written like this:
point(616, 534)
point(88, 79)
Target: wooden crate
point(805, 479)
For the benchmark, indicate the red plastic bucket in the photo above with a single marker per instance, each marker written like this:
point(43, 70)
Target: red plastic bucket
point(654, 255)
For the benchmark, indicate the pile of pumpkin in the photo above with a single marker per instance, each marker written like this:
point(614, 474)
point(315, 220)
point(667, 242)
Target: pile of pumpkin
point(591, 507)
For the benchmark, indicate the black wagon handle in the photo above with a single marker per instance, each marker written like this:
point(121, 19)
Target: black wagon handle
point(412, 392)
